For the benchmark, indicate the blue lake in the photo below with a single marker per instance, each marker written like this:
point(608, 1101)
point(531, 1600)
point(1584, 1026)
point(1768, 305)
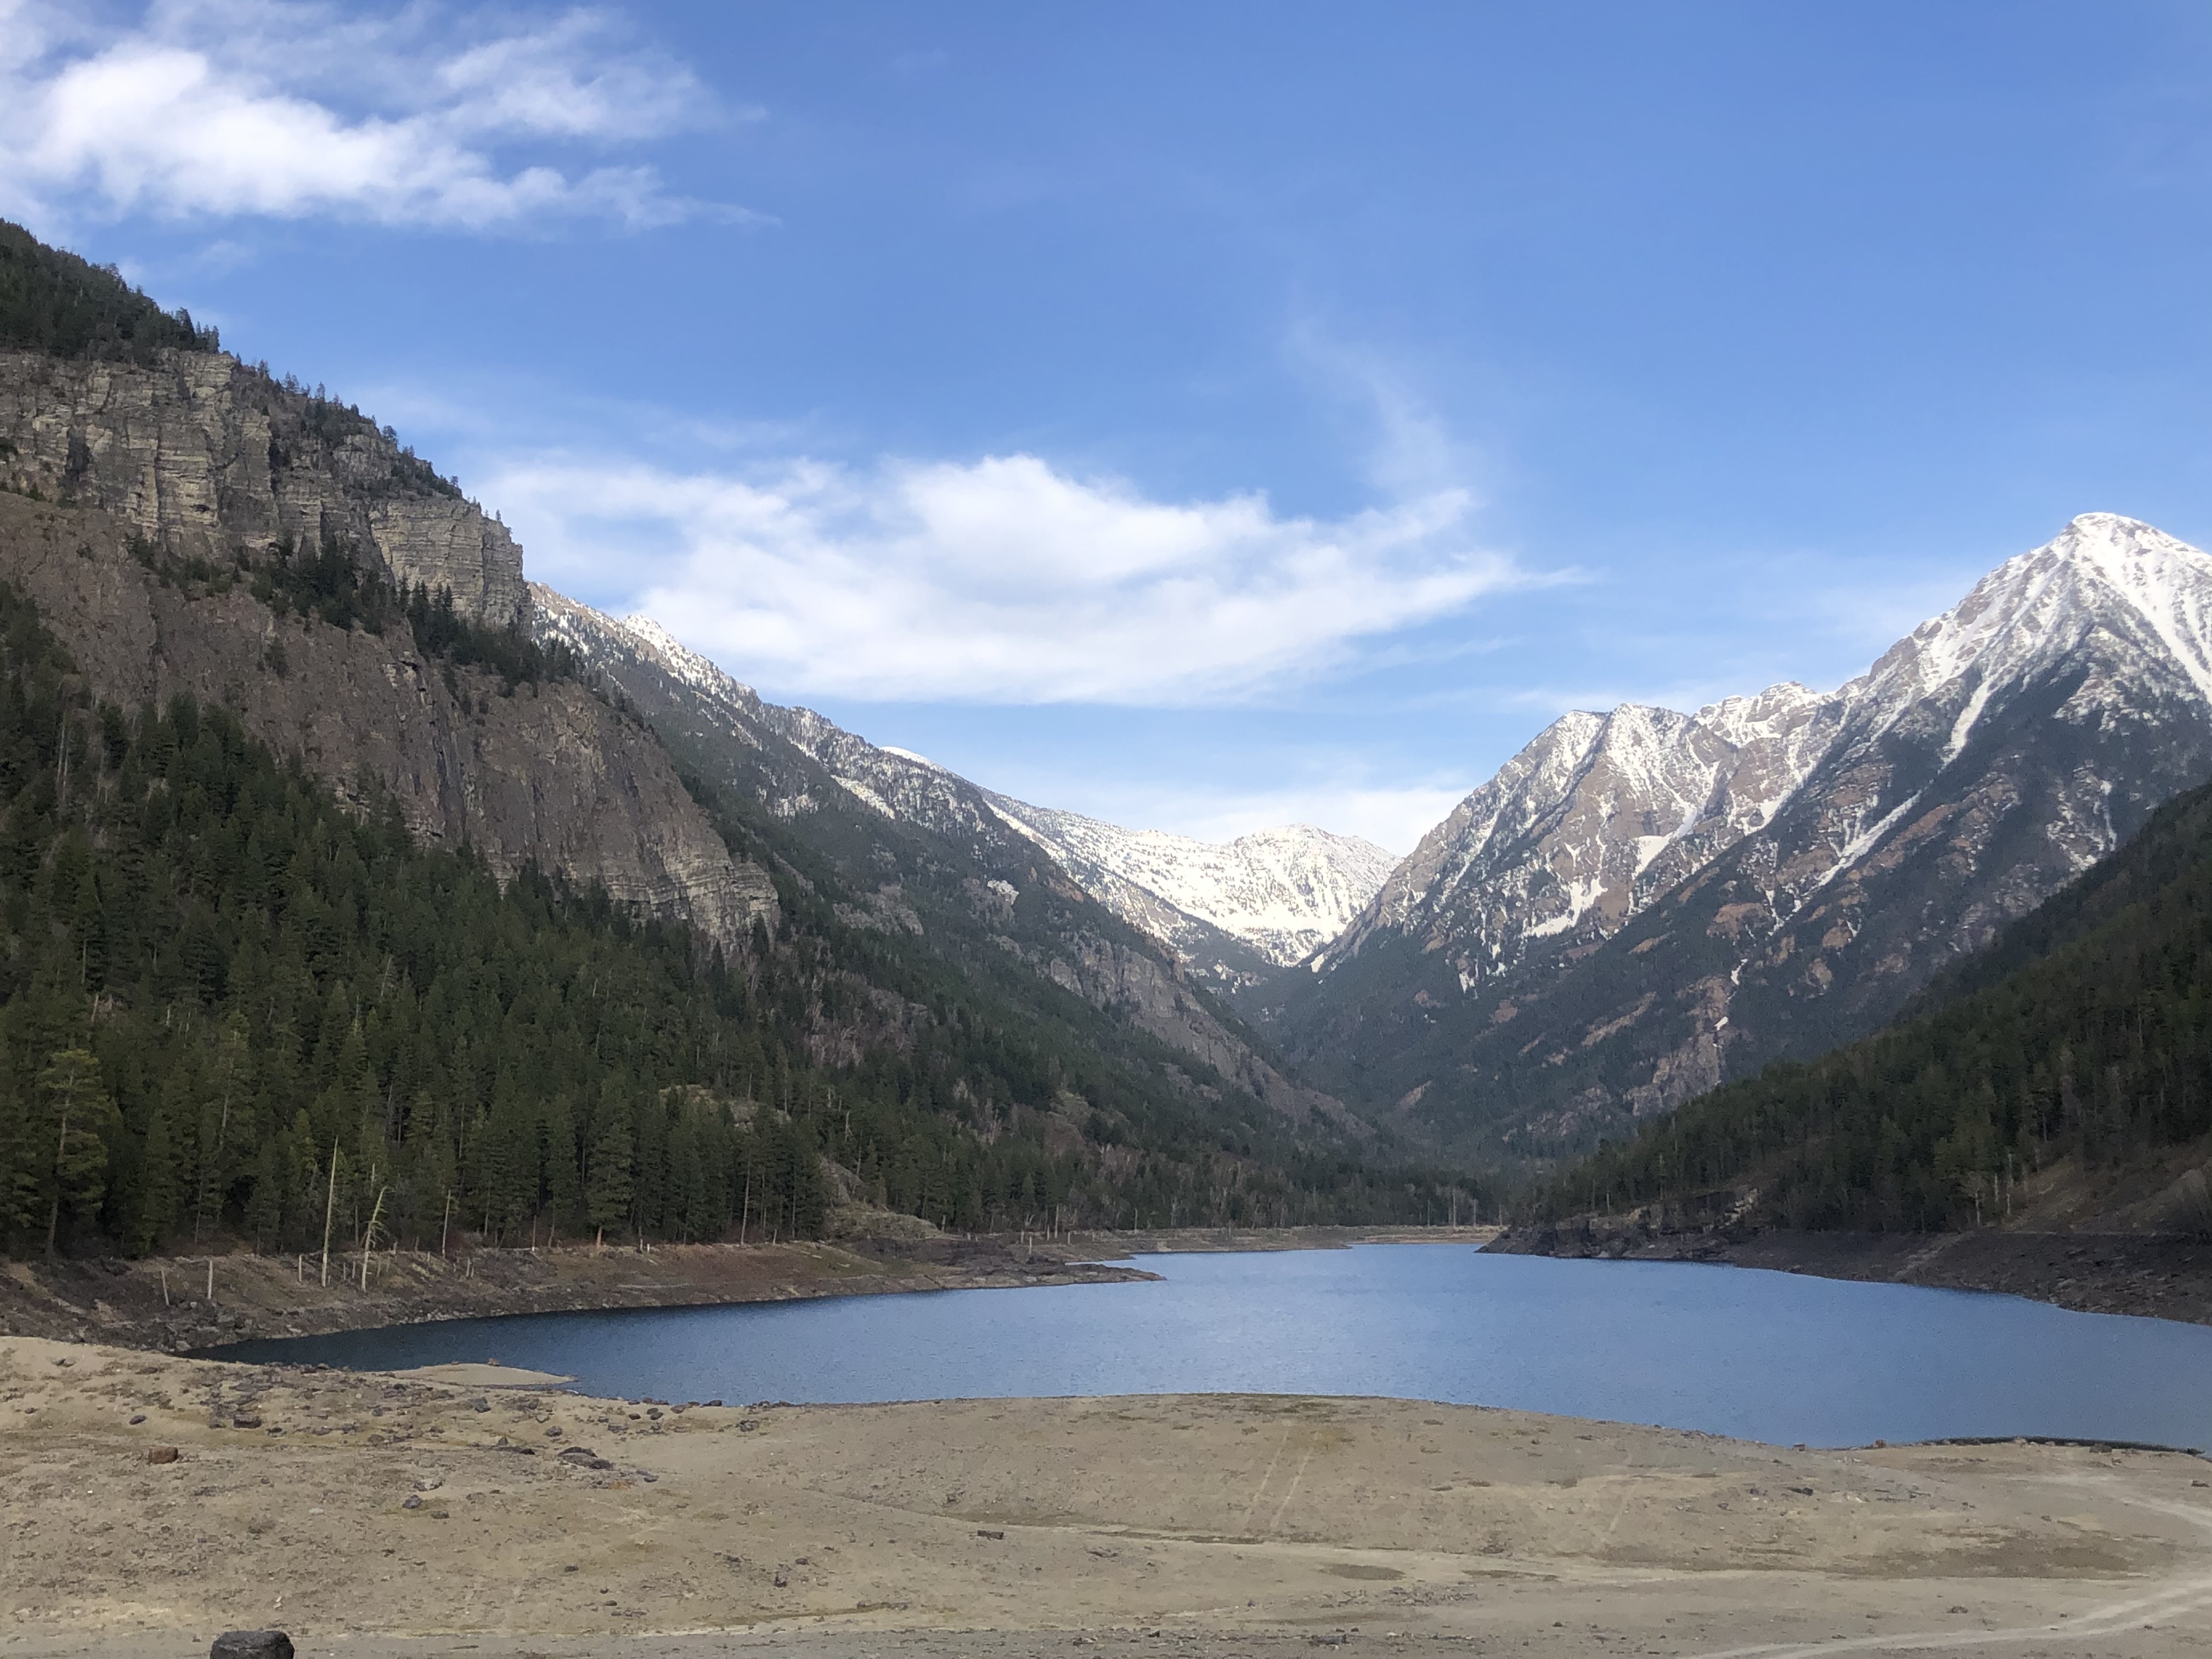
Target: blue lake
point(1764, 1356)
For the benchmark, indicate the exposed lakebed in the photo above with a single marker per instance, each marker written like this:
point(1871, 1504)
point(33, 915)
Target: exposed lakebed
point(1763, 1355)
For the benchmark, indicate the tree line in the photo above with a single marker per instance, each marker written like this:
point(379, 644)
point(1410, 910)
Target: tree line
point(52, 300)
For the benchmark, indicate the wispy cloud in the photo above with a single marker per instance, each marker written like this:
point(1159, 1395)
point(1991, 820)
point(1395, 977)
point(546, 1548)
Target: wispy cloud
point(429, 117)
point(1000, 580)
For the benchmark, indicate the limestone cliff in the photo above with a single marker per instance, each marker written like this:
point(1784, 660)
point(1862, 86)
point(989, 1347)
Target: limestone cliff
point(206, 457)
point(545, 773)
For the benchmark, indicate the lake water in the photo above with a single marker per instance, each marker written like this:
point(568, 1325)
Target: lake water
point(1764, 1356)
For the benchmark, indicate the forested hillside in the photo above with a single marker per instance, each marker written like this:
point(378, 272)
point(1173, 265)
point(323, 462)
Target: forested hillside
point(52, 300)
point(2083, 1035)
point(230, 1008)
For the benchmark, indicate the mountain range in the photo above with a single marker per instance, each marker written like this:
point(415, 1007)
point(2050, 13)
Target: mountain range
point(1642, 903)
point(1639, 905)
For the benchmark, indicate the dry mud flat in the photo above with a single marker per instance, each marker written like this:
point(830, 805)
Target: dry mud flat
point(554, 1525)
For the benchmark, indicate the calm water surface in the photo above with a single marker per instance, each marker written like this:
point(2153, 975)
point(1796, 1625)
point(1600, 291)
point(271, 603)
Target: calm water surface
point(1765, 1355)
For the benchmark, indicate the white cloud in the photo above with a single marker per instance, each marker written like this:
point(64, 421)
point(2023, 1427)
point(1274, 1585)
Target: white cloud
point(228, 107)
point(1002, 579)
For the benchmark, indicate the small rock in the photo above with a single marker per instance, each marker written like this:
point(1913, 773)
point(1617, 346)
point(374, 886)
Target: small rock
point(136, 1420)
point(714, 1402)
point(746, 1426)
point(162, 1453)
point(781, 1581)
point(988, 1532)
point(479, 1405)
point(252, 1645)
point(413, 1501)
point(246, 1421)
point(553, 1433)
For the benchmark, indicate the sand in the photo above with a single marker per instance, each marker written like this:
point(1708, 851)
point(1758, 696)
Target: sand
point(1217, 1526)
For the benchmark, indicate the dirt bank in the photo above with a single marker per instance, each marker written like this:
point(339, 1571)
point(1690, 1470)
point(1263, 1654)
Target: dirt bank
point(375, 1516)
point(172, 1304)
point(2155, 1275)
point(166, 1304)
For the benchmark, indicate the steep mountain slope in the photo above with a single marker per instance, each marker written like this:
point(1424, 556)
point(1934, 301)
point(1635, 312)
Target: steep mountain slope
point(1234, 912)
point(233, 1007)
point(1642, 905)
point(926, 852)
point(2062, 1077)
point(186, 523)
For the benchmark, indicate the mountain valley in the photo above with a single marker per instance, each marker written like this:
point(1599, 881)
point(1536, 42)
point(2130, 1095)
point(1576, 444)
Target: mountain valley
point(1638, 906)
point(709, 987)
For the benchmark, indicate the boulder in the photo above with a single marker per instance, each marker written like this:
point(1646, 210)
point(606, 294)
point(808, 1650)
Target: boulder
point(252, 1645)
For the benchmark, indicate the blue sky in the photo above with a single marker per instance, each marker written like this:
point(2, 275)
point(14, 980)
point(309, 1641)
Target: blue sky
point(1203, 415)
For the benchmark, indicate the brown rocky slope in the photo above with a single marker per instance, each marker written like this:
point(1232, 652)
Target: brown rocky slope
point(141, 501)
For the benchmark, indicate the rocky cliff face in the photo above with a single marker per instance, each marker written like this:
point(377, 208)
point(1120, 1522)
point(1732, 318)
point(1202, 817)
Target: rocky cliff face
point(1587, 825)
point(201, 465)
point(909, 836)
point(205, 458)
point(1644, 903)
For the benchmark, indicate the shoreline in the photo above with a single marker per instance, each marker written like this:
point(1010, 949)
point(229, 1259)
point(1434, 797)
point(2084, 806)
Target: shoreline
point(2142, 1275)
point(156, 1500)
point(162, 1304)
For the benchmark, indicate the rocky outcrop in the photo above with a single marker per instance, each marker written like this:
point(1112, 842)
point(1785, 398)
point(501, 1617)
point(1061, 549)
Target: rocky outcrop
point(545, 773)
point(205, 458)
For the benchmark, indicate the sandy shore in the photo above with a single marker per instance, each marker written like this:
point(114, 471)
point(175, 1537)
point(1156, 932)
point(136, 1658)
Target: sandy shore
point(546, 1523)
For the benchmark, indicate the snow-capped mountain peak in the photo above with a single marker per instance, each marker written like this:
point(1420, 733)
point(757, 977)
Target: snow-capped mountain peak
point(1282, 892)
point(1841, 845)
point(1603, 812)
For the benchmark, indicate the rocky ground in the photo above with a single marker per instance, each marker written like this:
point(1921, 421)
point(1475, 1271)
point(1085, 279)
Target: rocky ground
point(2157, 1275)
point(150, 1502)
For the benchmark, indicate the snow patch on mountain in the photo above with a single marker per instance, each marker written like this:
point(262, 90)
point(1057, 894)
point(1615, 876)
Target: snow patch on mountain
point(1279, 893)
point(1283, 892)
point(1601, 813)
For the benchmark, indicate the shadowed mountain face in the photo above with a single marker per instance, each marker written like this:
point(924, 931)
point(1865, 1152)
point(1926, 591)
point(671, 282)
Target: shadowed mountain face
point(1642, 904)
